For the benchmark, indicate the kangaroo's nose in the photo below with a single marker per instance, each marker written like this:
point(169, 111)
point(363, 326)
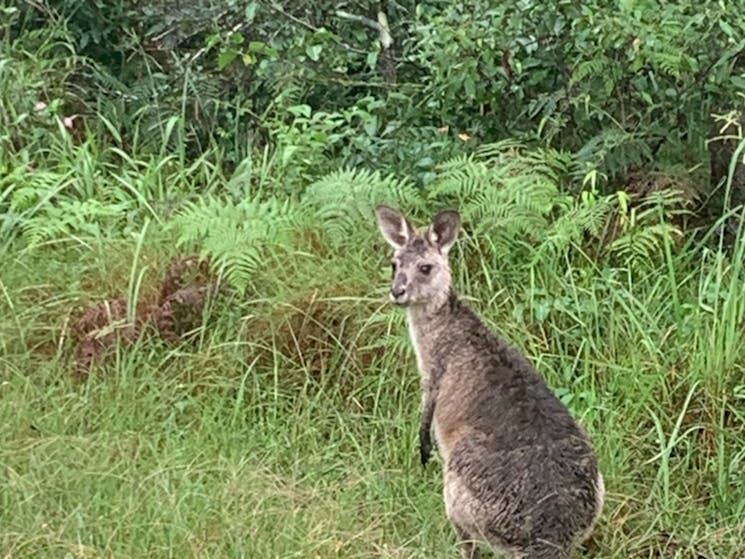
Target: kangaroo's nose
point(398, 291)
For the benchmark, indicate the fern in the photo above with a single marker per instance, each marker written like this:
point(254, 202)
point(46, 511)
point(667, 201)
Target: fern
point(503, 193)
point(646, 229)
point(23, 198)
point(546, 104)
point(612, 150)
point(641, 247)
point(513, 203)
point(575, 220)
point(236, 236)
point(343, 201)
point(596, 66)
point(67, 218)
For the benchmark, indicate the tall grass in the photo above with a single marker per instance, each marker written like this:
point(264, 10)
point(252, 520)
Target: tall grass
point(287, 429)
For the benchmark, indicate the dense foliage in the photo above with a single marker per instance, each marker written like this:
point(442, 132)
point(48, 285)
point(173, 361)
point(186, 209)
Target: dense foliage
point(622, 85)
point(594, 149)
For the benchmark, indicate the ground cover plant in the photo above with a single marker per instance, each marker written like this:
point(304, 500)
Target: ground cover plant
point(197, 354)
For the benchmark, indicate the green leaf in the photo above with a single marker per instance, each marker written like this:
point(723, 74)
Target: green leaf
point(425, 163)
point(212, 40)
point(300, 110)
point(257, 46)
point(726, 28)
point(250, 12)
point(314, 52)
point(470, 86)
point(372, 59)
point(371, 126)
point(226, 57)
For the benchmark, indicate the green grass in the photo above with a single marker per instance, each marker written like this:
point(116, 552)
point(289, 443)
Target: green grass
point(288, 428)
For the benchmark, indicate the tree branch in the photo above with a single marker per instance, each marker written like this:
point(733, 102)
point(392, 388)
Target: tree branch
point(381, 26)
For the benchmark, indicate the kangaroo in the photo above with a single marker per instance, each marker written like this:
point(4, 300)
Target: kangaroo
point(520, 475)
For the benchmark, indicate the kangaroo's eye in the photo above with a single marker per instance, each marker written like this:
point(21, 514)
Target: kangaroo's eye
point(393, 267)
point(425, 268)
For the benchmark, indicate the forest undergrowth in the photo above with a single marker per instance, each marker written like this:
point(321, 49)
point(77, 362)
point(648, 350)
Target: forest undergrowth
point(198, 357)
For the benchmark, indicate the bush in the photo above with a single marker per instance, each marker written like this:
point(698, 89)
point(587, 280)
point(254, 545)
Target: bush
point(629, 85)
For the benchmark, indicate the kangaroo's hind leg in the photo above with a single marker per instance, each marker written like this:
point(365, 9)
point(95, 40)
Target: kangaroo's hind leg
point(459, 509)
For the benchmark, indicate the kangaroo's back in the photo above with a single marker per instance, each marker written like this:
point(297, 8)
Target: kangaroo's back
point(486, 381)
point(520, 473)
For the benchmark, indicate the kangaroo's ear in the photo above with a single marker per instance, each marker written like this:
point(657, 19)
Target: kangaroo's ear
point(444, 230)
point(395, 227)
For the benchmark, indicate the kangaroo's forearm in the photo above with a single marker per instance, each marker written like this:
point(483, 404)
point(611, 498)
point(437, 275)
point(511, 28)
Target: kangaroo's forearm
point(425, 429)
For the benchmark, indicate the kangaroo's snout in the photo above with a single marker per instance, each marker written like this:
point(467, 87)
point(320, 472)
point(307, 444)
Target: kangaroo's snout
point(398, 289)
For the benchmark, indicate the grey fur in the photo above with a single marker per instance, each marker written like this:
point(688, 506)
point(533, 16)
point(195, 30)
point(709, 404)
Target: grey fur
point(519, 473)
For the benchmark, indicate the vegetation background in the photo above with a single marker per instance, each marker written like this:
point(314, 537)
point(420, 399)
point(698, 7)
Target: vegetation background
point(264, 403)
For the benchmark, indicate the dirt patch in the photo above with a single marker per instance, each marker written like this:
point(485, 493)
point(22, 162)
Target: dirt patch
point(172, 314)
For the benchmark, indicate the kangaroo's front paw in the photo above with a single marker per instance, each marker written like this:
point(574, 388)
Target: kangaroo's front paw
point(425, 450)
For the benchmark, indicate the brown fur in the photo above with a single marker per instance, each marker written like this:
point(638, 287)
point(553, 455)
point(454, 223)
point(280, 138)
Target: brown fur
point(519, 473)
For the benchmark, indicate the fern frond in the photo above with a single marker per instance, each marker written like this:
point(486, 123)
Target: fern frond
point(546, 104)
point(504, 193)
point(343, 202)
point(612, 150)
point(24, 198)
point(596, 67)
point(70, 217)
point(574, 222)
point(649, 225)
point(236, 235)
point(642, 247)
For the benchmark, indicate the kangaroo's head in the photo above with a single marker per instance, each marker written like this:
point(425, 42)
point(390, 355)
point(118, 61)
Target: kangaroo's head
point(421, 273)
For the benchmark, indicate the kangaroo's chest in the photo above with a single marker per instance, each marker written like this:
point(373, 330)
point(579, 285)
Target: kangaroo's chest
point(420, 347)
